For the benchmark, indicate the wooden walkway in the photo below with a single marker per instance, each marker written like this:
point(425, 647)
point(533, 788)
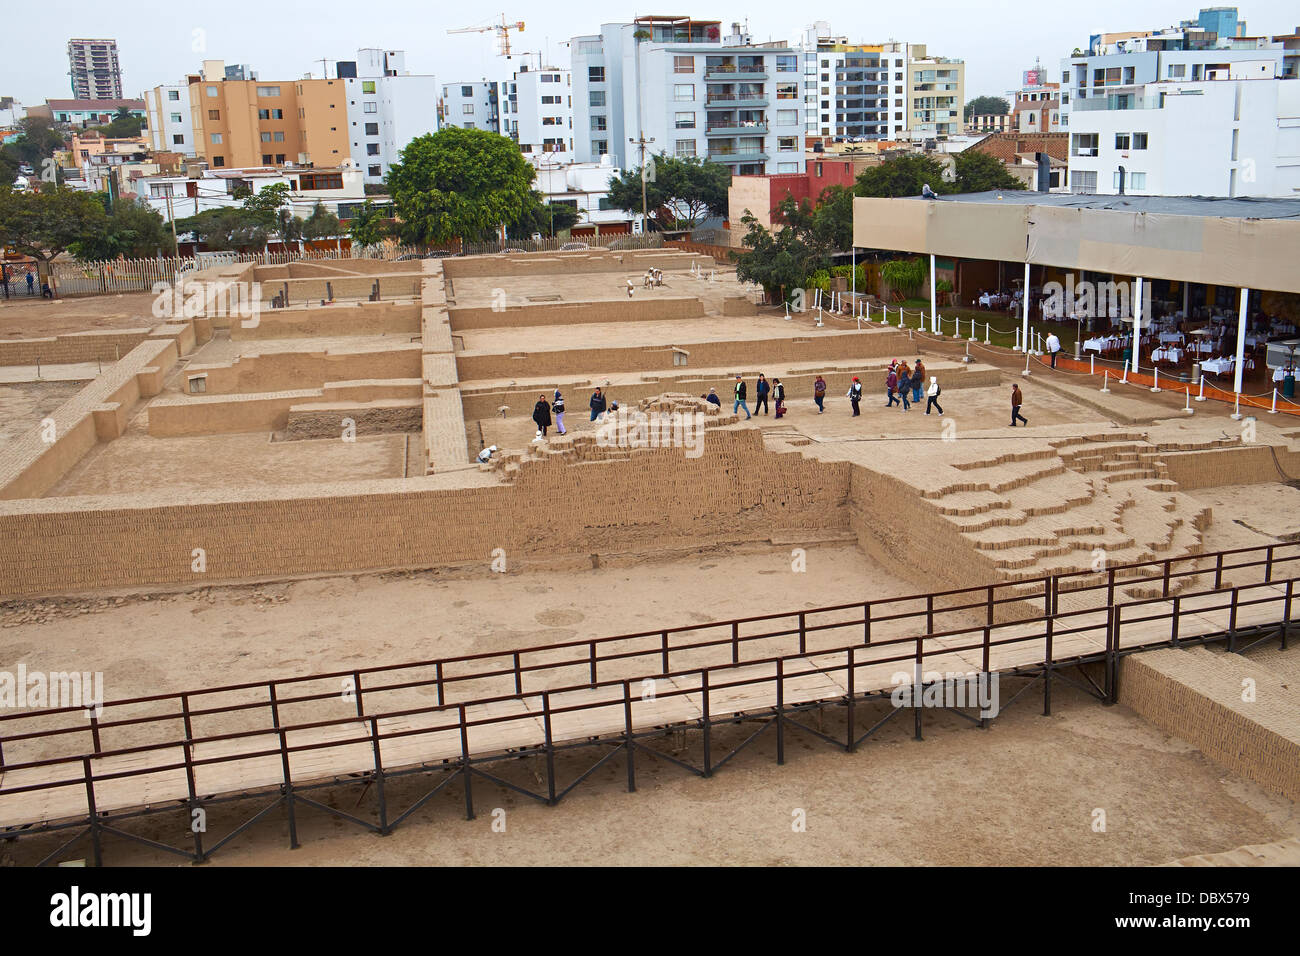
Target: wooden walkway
point(457, 712)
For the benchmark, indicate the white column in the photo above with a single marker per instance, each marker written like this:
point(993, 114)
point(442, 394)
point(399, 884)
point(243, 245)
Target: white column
point(934, 322)
point(853, 276)
point(1137, 318)
point(1241, 342)
point(1024, 338)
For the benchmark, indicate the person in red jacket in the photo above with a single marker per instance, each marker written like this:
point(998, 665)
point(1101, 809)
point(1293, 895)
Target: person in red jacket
point(1017, 400)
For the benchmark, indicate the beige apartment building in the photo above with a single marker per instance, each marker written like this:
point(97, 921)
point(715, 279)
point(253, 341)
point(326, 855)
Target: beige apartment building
point(936, 93)
point(245, 123)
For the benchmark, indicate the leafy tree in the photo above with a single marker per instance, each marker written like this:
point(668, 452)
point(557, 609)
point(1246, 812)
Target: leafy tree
point(901, 176)
point(463, 183)
point(322, 224)
point(289, 227)
point(545, 219)
point(986, 106)
point(47, 223)
point(779, 261)
point(680, 194)
point(8, 167)
point(978, 172)
point(269, 199)
point(228, 227)
point(132, 228)
point(123, 125)
point(369, 226)
point(38, 141)
point(905, 275)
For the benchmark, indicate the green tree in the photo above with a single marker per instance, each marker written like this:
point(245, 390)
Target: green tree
point(369, 226)
point(901, 176)
point(289, 227)
point(268, 200)
point(228, 227)
point(47, 223)
point(980, 172)
point(321, 224)
point(779, 261)
point(986, 106)
point(680, 193)
point(123, 125)
point(8, 167)
point(547, 219)
point(463, 183)
point(904, 275)
point(132, 228)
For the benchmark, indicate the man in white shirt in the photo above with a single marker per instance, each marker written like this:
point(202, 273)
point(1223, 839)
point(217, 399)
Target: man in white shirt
point(1053, 346)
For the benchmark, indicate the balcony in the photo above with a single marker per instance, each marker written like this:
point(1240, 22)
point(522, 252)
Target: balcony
point(724, 75)
point(728, 101)
point(1118, 102)
point(736, 129)
point(732, 157)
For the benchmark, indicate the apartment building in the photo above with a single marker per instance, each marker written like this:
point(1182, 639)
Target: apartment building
point(387, 107)
point(537, 111)
point(249, 123)
point(1182, 112)
point(472, 105)
point(585, 188)
point(169, 126)
point(185, 196)
point(94, 70)
point(688, 90)
point(936, 91)
point(85, 113)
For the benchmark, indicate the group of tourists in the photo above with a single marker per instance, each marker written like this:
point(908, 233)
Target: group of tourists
point(764, 393)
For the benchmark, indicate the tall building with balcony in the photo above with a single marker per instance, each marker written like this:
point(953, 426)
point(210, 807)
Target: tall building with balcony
point(687, 90)
point(94, 70)
point(387, 107)
point(936, 90)
point(1172, 113)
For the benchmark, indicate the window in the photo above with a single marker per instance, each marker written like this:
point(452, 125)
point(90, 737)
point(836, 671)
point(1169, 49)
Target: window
point(819, 171)
point(467, 91)
point(554, 100)
point(467, 109)
point(367, 86)
point(1118, 180)
point(1137, 180)
point(786, 144)
point(212, 91)
point(218, 161)
point(197, 384)
point(468, 126)
point(685, 148)
point(1083, 144)
point(685, 121)
point(373, 107)
point(1121, 140)
point(786, 64)
point(320, 181)
point(266, 159)
point(374, 170)
point(268, 91)
point(178, 140)
point(278, 136)
point(214, 114)
point(787, 167)
point(787, 91)
point(787, 117)
point(600, 146)
point(216, 139)
point(263, 114)
point(279, 159)
point(1177, 71)
point(372, 149)
point(683, 64)
point(1139, 140)
point(266, 137)
point(372, 129)
point(1083, 181)
point(596, 98)
point(277, 114)
point(598, 122)
point(173, 95)
point(552, 121)
point(684, 92)
point(595, 74)
point(176, 117)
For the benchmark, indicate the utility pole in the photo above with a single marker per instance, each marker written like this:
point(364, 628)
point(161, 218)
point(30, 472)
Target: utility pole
point(176, 246)
point(641, 141)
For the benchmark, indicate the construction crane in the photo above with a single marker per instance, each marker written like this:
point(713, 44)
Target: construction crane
point(501, 29)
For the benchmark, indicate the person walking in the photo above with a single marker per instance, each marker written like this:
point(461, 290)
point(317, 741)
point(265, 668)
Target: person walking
point(542, 415)
point(918, 380)
point(932, 396)
point(1053, 346)
point(891, 385)
point(740, 399)
point(904, 385)
point(778, 395)
point(1017, 400)
point(855, 394)
point(557, 409)
point(819, 394)
point(597, 405)
point(761, 388)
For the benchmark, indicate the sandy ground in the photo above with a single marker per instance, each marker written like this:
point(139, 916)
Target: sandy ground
point(1022, 792)
point(594, 287)
point(24, 404)
point(24, 318)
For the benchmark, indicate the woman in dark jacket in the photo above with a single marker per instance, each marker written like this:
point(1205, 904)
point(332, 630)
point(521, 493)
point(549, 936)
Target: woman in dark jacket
point(542, 415)
point(761, 388)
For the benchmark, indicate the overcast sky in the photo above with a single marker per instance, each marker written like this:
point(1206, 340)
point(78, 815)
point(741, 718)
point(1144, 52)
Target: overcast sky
point(161, 43)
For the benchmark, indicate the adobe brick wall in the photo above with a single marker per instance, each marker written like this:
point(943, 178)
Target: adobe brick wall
point(1248, 465)
point(340, 318)
point(571, 263)
point(574, 313)
point(225, 414)
point(280, 371)
point(72, 347)
point(398, 286)
point(749, 353)
point(381, 417)
point(552, 511)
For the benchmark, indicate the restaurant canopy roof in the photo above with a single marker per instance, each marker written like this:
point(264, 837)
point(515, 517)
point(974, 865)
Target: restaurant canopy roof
point(1235, 242)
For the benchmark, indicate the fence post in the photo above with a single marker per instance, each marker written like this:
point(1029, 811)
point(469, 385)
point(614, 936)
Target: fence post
point(780, 711)
point(379, 777)
point(850, 744)
point(465, 768)
point(706, 726)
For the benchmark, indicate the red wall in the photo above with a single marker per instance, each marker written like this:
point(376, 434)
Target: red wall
point(809, 185)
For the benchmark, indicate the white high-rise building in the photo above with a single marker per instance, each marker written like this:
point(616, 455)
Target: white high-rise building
point(472, 105)
point(387, 108)
point(170, 129)
point(537, 106)
point(687, 90)
point(1183, 112)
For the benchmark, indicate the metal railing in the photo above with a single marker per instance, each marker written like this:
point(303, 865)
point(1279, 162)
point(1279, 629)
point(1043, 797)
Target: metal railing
point(757, 656)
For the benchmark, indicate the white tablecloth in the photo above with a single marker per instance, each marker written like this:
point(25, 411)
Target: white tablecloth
point(1171, 336)
point(1202, 348)
point(1281, 373)
point(1167, 354)
point(1220, 366)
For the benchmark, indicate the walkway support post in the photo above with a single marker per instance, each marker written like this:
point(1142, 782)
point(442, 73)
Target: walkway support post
point(1239, 367)
point(934, 326)
point(1025, 301)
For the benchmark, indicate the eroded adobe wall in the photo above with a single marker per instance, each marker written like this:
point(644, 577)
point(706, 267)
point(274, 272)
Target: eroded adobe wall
point(575, 313)
point(70, 348)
